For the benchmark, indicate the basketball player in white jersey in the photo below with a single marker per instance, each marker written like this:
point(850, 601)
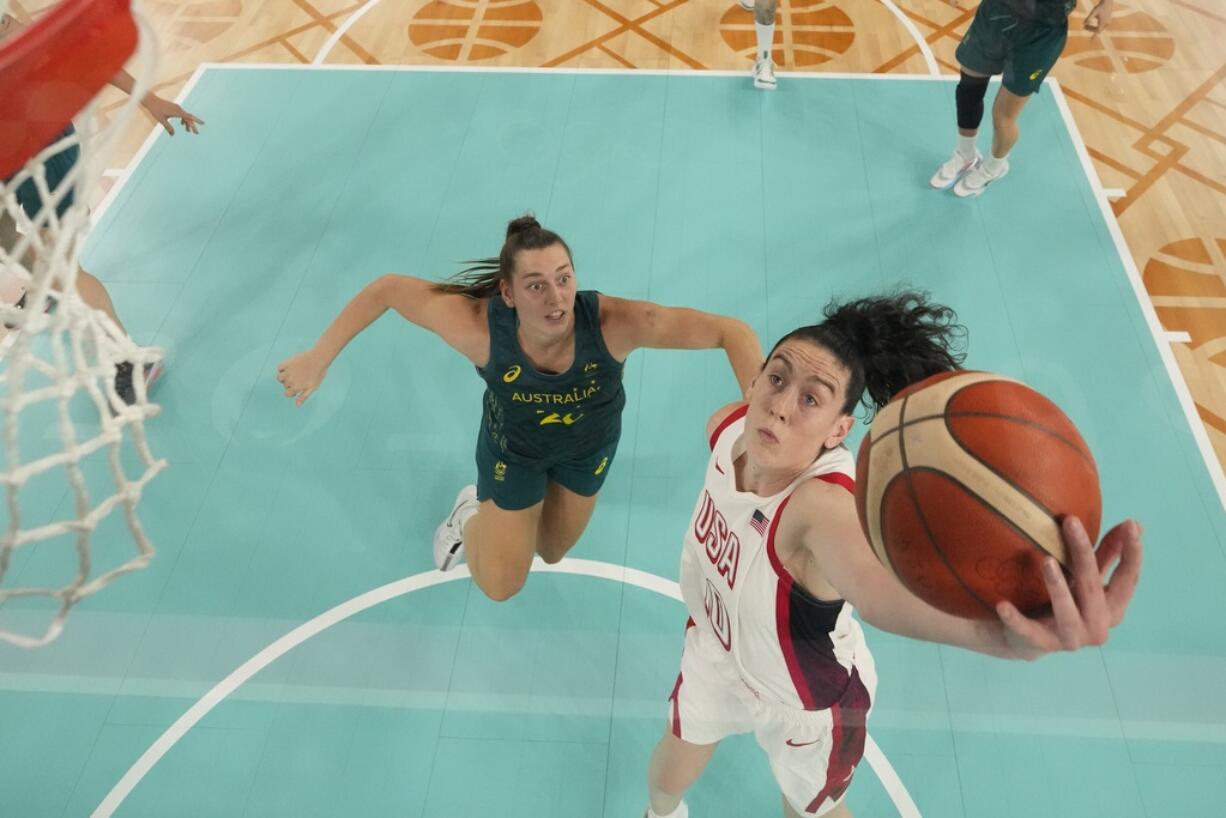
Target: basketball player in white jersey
point(774, 560)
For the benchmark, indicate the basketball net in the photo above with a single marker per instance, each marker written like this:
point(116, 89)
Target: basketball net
point(62, 417)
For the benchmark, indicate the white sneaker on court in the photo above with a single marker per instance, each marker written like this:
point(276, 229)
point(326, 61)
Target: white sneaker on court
point(952, 170)
point(125, 371)
point(764, 74)
point(746, 4)
point(977, 179)
point(448, 537)
point(682, 811)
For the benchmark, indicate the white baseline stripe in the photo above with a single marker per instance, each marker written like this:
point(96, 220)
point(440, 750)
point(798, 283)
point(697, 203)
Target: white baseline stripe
point(630, 72)
point(1147, 309)
point(340, 32)
point(307, 630)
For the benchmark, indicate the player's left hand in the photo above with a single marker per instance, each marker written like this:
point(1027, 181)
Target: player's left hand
point(163, 110)
point(1099, 17)
point(1084, 613)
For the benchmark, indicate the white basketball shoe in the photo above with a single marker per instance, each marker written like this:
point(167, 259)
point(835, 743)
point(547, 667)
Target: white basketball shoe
point(951, 171)
point(764, 74)
point(449, 536)
point(977, 179)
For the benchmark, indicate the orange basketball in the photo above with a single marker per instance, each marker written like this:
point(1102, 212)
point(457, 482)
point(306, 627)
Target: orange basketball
point(961, 484)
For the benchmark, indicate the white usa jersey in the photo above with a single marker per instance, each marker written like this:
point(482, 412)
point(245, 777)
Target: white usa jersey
point(788, 646)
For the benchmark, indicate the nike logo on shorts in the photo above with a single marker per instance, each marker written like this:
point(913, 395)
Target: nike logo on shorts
point(791, 743)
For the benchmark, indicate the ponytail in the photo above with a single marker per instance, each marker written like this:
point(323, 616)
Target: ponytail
point(484, 277)
point(887, 343)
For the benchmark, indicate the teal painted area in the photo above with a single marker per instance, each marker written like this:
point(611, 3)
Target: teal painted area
point(235, 248)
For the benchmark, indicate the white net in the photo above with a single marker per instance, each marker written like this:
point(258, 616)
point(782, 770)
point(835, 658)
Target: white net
point(74, 449)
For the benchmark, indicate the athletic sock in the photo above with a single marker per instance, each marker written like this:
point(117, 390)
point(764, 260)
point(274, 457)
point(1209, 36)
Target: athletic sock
point(766, 39)
point(993, 166)
point(464, 515)
point(965, 146)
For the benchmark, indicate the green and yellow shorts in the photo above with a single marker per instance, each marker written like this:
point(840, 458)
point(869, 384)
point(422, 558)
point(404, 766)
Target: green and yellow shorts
point(1000, 42)
point(518, 483)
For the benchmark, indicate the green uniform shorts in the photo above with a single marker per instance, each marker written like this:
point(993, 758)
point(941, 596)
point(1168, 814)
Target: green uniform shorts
point(1000, 42)
point(515, 484)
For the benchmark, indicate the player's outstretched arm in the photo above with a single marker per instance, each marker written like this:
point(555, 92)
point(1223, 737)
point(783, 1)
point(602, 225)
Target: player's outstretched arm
point(162, 110)
point(629, 325)
point(456, 319)
point(1083, 612)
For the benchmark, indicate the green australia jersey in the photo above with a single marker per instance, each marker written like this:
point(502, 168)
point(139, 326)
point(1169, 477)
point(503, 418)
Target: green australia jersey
point(534, 416)
point(1051, 12)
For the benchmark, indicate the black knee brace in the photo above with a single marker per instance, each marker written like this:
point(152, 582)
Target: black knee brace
point(969, 95)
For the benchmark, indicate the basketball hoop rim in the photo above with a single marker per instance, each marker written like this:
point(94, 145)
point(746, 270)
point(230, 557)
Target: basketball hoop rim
point(50, 70)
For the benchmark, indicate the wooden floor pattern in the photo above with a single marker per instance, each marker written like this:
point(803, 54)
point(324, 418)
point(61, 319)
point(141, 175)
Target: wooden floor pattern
point(1149, 95)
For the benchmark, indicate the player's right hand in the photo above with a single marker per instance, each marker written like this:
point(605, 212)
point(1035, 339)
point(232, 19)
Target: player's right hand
point(1085, 609)
point(301, 375)
point(1099, 17)
point(163, 110)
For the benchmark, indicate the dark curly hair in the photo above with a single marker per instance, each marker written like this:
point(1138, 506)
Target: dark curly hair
point(887, 343)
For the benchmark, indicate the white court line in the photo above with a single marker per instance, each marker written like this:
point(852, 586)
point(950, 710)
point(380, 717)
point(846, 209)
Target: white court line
point(636, 72)
point(889, 779)
point(933, 69)
point(1177, 337)
point(307, 630)
point(340, 32)
point(1113, 192)
point(1184, 396)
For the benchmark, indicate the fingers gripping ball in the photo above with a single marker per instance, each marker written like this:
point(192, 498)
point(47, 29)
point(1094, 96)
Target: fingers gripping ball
point(961, 484)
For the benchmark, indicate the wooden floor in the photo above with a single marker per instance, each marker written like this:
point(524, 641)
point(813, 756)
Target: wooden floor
point(1149, 96)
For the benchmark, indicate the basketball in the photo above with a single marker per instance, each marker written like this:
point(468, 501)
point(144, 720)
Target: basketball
point(961, 484)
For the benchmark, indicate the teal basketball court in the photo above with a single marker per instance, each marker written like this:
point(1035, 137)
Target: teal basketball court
point(291, 652)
